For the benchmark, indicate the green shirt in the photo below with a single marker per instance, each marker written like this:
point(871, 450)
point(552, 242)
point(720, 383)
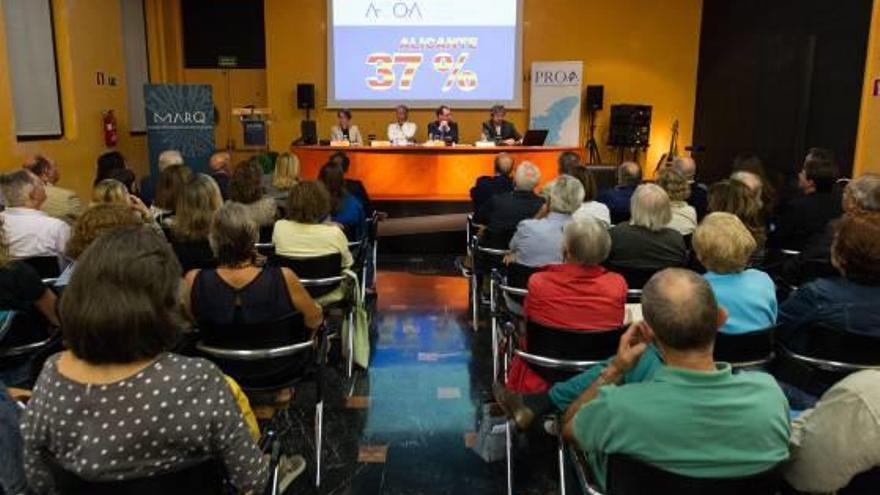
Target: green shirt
point(698, 424)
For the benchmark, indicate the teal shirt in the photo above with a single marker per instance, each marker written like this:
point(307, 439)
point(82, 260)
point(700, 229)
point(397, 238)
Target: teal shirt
point(698, 424)
point(749, 298)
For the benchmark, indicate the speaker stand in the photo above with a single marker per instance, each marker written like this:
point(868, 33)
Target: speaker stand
point(593, 156)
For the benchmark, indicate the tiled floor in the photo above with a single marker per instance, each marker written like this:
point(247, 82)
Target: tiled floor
point(409, 424)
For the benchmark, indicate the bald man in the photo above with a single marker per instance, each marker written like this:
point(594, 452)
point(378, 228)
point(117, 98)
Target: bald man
point(221, 170)
point(60, 203)
point(629, 176)
point(699, 197)
point(487, 186)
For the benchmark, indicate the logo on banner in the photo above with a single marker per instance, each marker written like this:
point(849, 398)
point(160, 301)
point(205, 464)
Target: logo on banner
point(180, 117)
point(400, 10)
point(556, 78)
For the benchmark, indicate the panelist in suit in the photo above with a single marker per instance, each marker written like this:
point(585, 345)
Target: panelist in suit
point(499, 130)
point(443, 129)
point(402, 131)
point(345, 130)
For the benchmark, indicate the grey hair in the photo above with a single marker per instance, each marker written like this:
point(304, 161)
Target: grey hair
point(650, 207)
point(17, 188)
point(751, 180)
point(629, 174)
point(686, 165)
point(527, 176)
point(233, 234)
point(566, 194)
point(587, 241)
point(865, 192)
point(168, 158)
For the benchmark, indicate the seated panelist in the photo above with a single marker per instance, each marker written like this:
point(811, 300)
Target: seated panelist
point(499, 130)
point(402, 131)
point(345, 130)
point(443, 129)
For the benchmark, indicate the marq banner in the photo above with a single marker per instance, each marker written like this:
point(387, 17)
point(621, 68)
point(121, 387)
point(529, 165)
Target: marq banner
point(180, 117)
point(556, 101)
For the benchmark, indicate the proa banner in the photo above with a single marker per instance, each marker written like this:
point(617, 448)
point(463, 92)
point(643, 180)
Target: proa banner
point(556, 101)
point(180, 117)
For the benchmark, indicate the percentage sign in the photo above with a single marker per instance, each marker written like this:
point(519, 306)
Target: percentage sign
point(466, 80)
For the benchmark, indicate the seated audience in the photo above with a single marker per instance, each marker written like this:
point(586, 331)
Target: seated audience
point(344, 130)
point(749, 170)
point(733, 196)
point(723, 245)
point(487, 187)
point(30, 232)
point(506, 211)
point(110, 192)
point(304, 233)
point(848, 302)
point(284, 176)
point(117, 365)
point(699, 196)
point(578, 294)
point(221, 171)
point(246, 187)
point(168, 189)
point(590, 208)
point(837, 439)
point(617, 199)
point(645, 243)
point(107, 163)
point(538, 241)
point(239, 291)
point(188, 235)
point(95, 221)
point(568, 161)
point(149, 186)
point(808, 215)
point(345, 209)
point(126, 177)
point(353, 186)
point(701, 426)
point(684, 216)
point(61, 203)
point(12, 478)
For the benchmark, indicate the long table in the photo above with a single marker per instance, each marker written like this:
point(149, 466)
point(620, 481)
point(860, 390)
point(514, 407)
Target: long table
point(425, 173)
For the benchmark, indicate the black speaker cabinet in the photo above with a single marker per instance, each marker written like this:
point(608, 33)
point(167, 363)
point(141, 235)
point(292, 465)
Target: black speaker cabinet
point(594, 97)
point(305, 96)
point(309, 132)
point(630, 125)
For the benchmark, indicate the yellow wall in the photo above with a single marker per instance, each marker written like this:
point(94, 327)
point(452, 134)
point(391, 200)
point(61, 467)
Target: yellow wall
point(868, 138)
point(88, 40)
point(643, 51)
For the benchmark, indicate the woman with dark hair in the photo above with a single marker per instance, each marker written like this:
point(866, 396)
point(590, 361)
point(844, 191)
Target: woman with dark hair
point(107, 164)
point(169, 187)
point(246, 187)
point(188, 235)
point(345, 209)
point(733, 196)
point(344, 130)
point(117, 405)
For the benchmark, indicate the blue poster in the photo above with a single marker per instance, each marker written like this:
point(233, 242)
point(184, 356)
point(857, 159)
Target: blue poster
point(180, 117)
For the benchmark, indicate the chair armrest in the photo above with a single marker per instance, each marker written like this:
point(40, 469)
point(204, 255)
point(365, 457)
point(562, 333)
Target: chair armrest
point(558, 364)
point(582, 471)
point(254, 354)
point(827, 364)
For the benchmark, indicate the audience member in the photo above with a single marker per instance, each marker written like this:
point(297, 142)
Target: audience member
point(848, 302)
point(487, 187)
point(699, 196)
point(702, 427)
point(750, 170)
point(107, 163)
point(538, 241)
point(684, 216)
point(345, 209)
point(168, 189)
point(60, 203)
point(645, 243)
point(590, 208)
point(733, 196)
point(629, 176)
point(149, 187)
point(12, 477)
point(117, 364)
point(284, 176)
point(505, 211)
point(126, 177)
point(196, 205)
point(221, 170)
point(837, 439)
point(353, 186)
point(344, 130)
point(723, 245)
point(246, 187)
point(95, 221)
point(578, 294)
point(303, 234)
point(110, 192)
point(30, 232)
point(568, 161)
point(809, 214)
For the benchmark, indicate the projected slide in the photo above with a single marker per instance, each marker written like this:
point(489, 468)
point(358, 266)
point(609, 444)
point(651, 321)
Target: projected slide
point(464, 53)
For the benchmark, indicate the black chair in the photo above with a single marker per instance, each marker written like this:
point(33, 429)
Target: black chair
point(271, 356)
point(509, 285)
point(485, 259)
point(865, 483)
point(47, 267)
point(745, 350)
point(635, 278)
point(206, 477)
point(25, 339)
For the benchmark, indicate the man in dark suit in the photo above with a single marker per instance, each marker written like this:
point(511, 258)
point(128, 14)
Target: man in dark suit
point(489, 186)
point(699, 197)
point(629, 176)
point(506, 211)
point(807, 215)
point(443, 129)
point(499, 130)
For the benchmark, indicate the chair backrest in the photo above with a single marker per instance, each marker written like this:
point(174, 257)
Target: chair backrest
point(832, 344)
point(865, 483)
point(46, 266)
point(497, 239)
point(518, 275)
point(635, 278)
point(569, 345)
point(628, 476)
point(312, 269)
point(206, 477)
point(745, 348)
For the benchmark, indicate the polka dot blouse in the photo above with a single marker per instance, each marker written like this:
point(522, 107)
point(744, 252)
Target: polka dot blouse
point(173, 414)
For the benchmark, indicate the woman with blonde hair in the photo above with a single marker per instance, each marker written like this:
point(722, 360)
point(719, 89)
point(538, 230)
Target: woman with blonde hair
point(114, 192)
point(284, 177)
point(195, 208)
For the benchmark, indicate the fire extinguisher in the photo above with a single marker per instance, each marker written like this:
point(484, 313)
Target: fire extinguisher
point(111, 134)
